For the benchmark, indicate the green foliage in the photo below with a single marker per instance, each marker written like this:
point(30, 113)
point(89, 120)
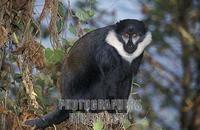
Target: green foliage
point(60, 25)
point(62, 10)
point(53, 56)
point(19, 24)
point(92, 1)
point(126, 124)
point(17, 77)
point(136, 84)
point(42, 100)
point(98, 125)
point(88, 30)
point(90, 12)
point(72, 29)
point(84, 15)
point(42, 81)
point(142, 124)
point(16, 109)
point(68, 43)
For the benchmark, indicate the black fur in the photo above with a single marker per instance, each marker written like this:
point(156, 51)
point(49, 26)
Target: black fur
point(93, 70)
point(130, 25)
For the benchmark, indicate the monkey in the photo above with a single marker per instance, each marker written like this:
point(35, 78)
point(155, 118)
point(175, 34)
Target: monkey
point(100, 65)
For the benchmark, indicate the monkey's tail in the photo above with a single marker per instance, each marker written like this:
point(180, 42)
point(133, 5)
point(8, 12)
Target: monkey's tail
point(55, 117)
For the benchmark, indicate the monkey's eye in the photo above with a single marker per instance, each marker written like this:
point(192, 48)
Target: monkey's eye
point(135, 35)
point(126, 35)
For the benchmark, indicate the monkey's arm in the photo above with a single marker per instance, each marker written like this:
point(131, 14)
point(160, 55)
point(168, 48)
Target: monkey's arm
point(136, 64)
point(109, 65)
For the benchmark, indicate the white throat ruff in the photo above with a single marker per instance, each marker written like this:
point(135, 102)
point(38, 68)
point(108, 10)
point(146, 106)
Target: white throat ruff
point(112, 40)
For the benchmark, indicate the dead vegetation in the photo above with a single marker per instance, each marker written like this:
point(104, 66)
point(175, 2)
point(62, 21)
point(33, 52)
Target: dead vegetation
point(21, 53)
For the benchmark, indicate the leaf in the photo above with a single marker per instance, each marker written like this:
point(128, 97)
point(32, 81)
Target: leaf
point(48, 55)
point(92, 1)
point(82, 15)
point(98, 125)
point(15, 38)
point(43, 100)
point(34, 93)
point(44, 79)
point(90, 12)
point(188, 37)
point(17, 77)
point(88, 29)
point(142, 123)
point(136, 84)
point(72, 29)
point(59, 25)
point(40, 82)
point(53, 57)
point(68, 43)
point(20, 25)
point(58, 55)
point(126, 124)
point(61, 9)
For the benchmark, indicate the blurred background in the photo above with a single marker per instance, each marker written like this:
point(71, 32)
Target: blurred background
point(35, 34)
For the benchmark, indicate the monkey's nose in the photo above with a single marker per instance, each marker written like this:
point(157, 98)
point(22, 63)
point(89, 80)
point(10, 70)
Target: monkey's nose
point(131, 45)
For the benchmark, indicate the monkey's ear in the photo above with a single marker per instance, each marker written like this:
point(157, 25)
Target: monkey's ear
point(118, 22)
point(119, 26)
point(121, 22)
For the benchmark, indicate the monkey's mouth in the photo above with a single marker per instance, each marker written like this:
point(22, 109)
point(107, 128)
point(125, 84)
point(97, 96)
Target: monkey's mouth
point(130, 48)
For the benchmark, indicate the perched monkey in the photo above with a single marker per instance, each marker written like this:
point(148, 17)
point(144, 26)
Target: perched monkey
point(100, 65)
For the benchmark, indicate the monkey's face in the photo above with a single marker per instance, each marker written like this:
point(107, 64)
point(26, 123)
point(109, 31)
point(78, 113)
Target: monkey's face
point(129, 38)
point(131, 33)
